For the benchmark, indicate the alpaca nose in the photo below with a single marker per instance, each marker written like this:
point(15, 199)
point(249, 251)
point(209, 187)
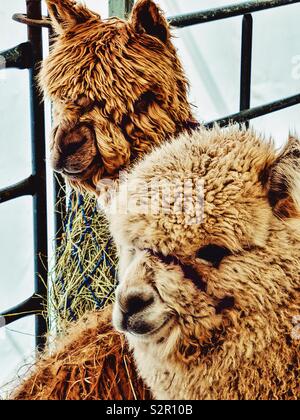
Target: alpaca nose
point(135, 301)
point(137, 310)
point(137, 304)
point(73, 149)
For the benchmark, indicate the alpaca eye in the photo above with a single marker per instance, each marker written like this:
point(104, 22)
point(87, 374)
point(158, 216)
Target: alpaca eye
point(141, 105)
point(213, 254)
point(83, 101)
point(166, 259)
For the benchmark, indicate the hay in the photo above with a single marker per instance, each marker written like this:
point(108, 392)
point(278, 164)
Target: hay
point(84, 275)
point(91, 363)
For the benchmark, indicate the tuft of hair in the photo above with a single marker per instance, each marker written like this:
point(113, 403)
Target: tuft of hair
point(91, 362)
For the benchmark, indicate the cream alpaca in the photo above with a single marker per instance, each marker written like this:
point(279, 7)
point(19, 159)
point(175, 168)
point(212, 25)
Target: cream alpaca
point(208, 307)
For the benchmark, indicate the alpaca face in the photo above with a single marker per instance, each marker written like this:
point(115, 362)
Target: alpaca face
point(117, 88)
point(188, 283)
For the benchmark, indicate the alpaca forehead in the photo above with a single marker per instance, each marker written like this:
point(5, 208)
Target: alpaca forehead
point(107, 59)
point(85, 44)
point(233, 227)
point(221, 164)
point(106, 38)
point(225, 201)
point(94, 30)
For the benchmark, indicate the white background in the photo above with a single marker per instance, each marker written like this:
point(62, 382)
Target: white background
point(211, 57)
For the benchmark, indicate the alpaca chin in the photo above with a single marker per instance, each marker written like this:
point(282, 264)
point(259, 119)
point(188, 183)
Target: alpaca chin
point(161, 345)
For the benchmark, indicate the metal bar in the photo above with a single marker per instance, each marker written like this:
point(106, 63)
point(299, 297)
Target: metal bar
point(200, 63)
point(19, 57)
point(25, 187)
point(243, 116)
point(225, 12)
point(38, 169)
point(60, 211)
point(31, 306)
point(42, 23)
point(246, 63)
point(120, 8)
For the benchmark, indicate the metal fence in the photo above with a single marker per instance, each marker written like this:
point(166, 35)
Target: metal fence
point(29, 54)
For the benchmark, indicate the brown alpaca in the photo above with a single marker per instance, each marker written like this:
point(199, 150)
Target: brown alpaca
point(210, 306)
point(117, 89)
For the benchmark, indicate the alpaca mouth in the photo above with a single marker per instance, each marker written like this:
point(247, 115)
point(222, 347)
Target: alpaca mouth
point(81, 174)
point(144, 330)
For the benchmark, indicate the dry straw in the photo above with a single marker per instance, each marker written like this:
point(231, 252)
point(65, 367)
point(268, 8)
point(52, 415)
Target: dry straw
point(92, 362)
point(84, 275)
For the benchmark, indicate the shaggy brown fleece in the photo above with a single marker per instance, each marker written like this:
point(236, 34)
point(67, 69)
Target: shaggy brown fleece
point(117, 88)
point(91, 363)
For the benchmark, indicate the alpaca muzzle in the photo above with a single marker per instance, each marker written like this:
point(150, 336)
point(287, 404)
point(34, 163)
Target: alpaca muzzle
point(138, 312)
point(74, 150)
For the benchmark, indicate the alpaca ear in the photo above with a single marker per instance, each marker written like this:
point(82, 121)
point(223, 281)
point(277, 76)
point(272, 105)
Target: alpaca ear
point(284, 181)
point(147, 18)
point(67, 13)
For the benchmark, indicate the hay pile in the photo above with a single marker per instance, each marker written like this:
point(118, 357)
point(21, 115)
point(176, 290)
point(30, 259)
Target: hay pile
point(91, 363)
point(84, 275)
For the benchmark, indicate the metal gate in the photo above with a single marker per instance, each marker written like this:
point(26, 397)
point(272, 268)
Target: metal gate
point(29, 54)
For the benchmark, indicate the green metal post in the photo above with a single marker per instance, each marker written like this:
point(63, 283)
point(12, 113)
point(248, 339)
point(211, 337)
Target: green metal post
point(120, 8)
